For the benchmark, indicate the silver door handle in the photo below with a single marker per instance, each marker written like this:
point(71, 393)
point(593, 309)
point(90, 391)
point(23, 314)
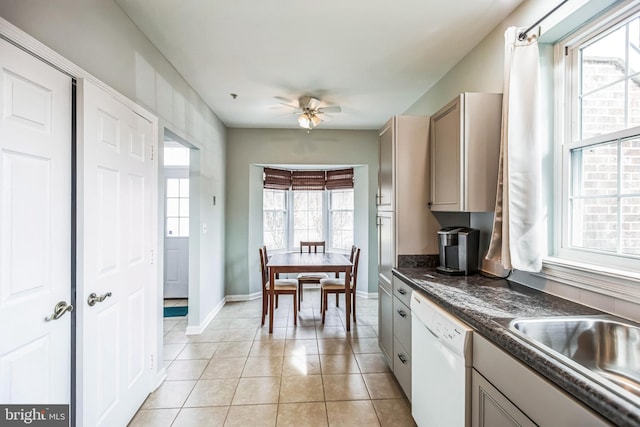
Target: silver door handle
point(59, 310)
point(94, 298)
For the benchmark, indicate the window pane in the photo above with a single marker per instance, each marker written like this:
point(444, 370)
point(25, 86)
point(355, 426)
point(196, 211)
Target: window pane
point(184, 188)
point(634, 46)
point(315, 200)
point(176, 156)
point(173, 207)
point(634, 101)
point(173, 188)
point(300, 220)
point(595, 170)
point(184, 207)
point(184, 227)
point(630, 166)
point(595, 224)
point(631, 225)
point(603, 61)
point(604, 111)
point(172, 227)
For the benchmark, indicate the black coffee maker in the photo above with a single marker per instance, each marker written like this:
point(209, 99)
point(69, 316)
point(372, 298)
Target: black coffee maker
point(458, 250)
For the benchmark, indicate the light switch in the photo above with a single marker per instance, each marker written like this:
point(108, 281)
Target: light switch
point(204, 228)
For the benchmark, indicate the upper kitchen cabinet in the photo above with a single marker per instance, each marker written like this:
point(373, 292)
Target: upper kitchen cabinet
point(403, 188)
point(465, 149)
point(403, 162)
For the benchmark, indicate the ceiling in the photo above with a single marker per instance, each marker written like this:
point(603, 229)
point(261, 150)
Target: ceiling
point(373, 58)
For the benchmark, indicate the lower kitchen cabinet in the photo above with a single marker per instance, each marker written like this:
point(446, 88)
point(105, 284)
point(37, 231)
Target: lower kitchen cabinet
point(490, 408)
point(506, 392)
point(402, 334)
point(385, 321)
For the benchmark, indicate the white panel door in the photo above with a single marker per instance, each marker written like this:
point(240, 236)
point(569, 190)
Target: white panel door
point(176, 267)
point(35, 229)
point(117, 297)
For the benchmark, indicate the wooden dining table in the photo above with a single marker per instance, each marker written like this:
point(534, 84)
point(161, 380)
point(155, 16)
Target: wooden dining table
point(296, 262)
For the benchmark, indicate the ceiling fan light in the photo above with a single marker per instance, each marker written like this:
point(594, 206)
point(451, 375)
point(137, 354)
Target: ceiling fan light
point(315, 120)
point(304, 121)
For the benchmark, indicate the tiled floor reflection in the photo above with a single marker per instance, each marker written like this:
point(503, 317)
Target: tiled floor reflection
point(237, 374)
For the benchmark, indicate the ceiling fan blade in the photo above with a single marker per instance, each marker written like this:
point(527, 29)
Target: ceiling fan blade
point(330, 109)
point(308, 102)
point(295, 107)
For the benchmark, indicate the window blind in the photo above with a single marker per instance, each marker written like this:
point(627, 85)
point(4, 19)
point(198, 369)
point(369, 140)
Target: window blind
point(307, 180)
point(277, 179)
point(339, 179)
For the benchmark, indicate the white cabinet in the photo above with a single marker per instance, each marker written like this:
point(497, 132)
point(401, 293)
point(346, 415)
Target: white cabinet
point(406, 226)
point(508, 392)
point(465, 149)
point(403, 185)
point(490, 408)
point(402, 334)
point(385, 321)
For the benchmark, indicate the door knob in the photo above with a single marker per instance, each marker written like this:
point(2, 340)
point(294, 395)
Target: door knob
point(59, 310)
point(94, 298)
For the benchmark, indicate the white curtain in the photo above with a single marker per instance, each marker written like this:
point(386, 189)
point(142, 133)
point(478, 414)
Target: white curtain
point(517, 236)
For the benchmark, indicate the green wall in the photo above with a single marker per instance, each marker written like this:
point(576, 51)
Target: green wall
point(250, 149)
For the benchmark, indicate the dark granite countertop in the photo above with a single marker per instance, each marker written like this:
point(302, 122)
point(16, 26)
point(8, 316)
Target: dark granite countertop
point(484, 302)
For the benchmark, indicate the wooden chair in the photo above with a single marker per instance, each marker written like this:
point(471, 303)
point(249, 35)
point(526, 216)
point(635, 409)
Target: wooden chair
point(337, 286)
point(353, 252)
point(312, 245)
point(310, 278)
point(281, 287)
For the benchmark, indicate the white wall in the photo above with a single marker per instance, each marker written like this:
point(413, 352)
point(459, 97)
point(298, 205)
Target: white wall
point(482, 70)
point(98, 37)
point(250, 148)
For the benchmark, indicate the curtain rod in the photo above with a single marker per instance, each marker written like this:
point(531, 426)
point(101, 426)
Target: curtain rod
point(523, 35)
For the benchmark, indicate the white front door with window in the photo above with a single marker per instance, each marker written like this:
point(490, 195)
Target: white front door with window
point(118, 297)
point(35, 229)
point(176, 240)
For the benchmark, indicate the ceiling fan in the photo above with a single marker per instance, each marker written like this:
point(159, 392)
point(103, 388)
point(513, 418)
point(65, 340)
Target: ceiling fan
point(310, 113)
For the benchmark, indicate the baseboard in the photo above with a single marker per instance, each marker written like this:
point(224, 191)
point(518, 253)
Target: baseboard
point(363, 294)
point(238, 298)
point(197, 330)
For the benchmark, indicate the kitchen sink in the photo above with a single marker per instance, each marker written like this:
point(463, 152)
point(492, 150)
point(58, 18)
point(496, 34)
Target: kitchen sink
point(603, 347)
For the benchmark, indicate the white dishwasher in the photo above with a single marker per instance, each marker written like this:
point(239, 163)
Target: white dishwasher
point(441, 366)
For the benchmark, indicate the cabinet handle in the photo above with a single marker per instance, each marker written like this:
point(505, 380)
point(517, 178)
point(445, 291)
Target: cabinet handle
point(402, 313)
point(402, 291)
point(402, 358)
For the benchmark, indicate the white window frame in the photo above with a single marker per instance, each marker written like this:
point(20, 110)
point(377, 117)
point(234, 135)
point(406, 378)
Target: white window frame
point(330, 210)
point(287, 204)
point(295, 245)
point(618, 275)
point(326, 232)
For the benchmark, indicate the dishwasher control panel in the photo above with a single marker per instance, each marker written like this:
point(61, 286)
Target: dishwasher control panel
point(450, 331)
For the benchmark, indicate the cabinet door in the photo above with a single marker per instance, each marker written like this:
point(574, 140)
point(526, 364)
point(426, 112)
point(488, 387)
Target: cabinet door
point(386, 246)
point(385, 172)
point(490, 408)
point(385, 322)
point(445, 159)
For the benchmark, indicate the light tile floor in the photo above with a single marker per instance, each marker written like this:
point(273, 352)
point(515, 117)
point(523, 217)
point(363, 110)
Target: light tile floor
point(237, 374)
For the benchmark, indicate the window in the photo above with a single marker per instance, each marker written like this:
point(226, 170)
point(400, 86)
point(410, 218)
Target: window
point(177, 207)
point(307, 216)
point(275, 218)
point(341, 219)
point(314, 215)
point(601, 144)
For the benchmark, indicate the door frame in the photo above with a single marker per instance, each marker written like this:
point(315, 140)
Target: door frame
point(24, 41)
point(195, 228)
